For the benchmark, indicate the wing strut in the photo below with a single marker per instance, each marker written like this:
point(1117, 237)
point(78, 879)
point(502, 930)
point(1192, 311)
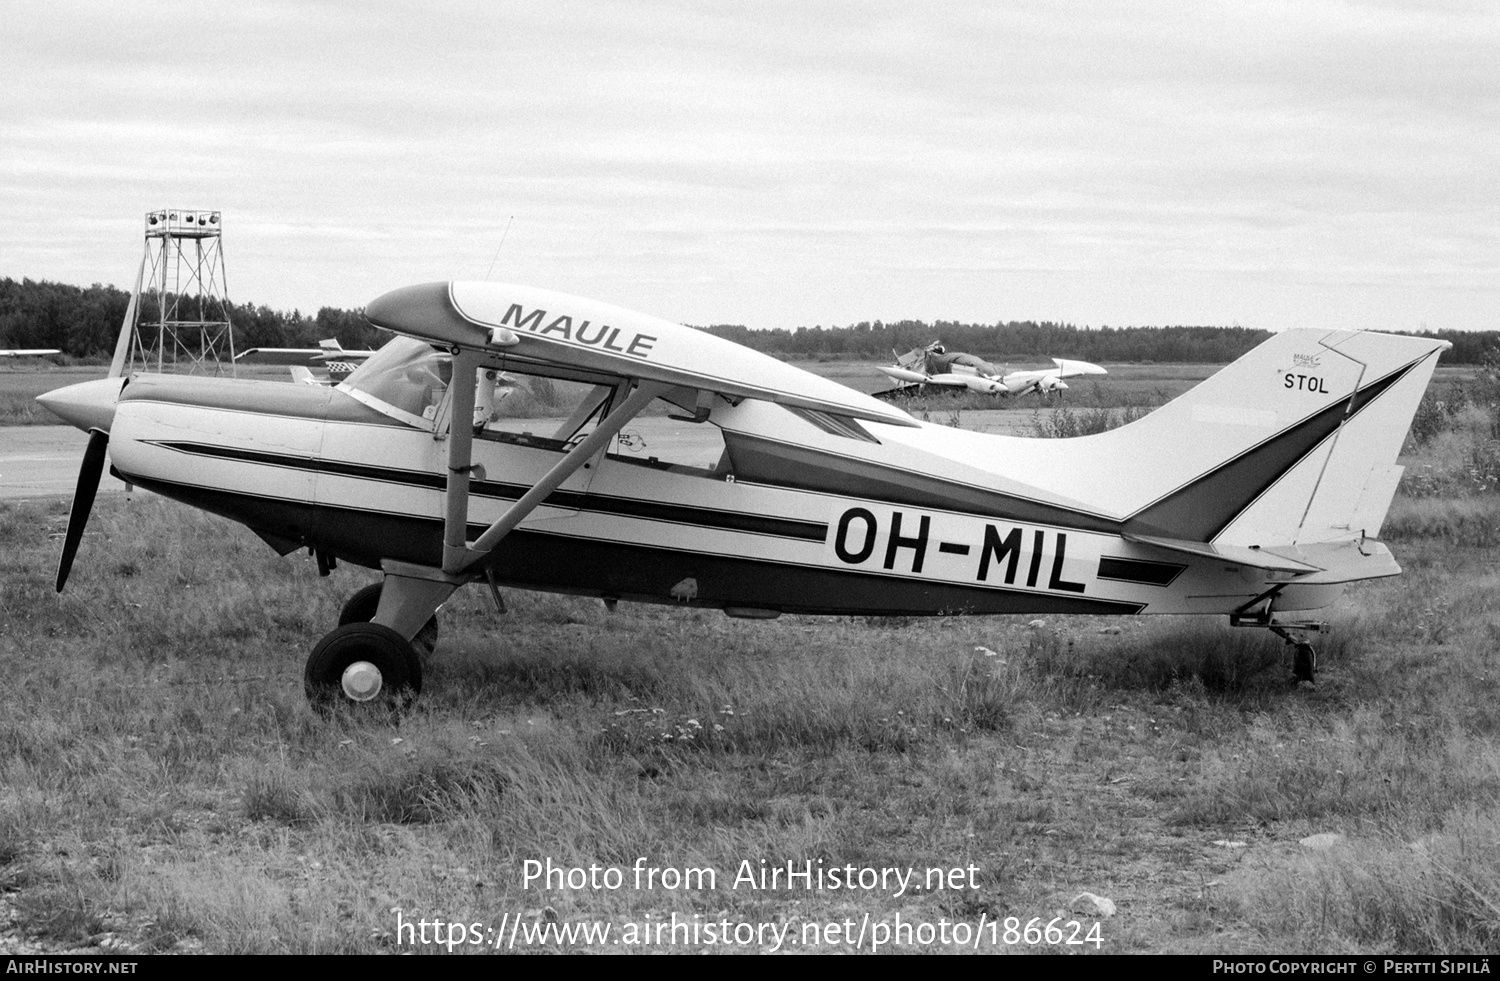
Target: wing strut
point(458, 555)
point(412, 592)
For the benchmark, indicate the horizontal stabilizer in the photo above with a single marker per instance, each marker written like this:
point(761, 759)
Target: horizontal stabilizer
point(1348, 561)
point(1322, 564)
point(1255, 558)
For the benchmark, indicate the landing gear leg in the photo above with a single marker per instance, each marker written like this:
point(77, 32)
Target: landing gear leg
point(361, 608)
point(1304, 655)
point(1294, 632)
point(369, 664)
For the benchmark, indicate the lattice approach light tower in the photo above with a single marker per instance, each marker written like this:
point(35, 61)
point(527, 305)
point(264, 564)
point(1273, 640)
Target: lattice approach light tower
point(178, 318)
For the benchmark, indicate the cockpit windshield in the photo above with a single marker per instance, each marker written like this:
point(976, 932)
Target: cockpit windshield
point(405, 379)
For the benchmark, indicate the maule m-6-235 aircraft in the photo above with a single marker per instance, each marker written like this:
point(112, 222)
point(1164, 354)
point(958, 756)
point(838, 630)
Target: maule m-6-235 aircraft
point(1258, 494)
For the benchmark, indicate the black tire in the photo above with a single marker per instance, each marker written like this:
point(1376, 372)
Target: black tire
point(390, 671)
point(361, 607)
point(1304, 659)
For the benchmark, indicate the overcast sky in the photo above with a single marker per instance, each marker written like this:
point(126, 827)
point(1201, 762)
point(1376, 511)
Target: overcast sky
point(1268, 164)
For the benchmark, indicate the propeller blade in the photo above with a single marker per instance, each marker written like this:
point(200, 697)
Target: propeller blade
point(83, 501)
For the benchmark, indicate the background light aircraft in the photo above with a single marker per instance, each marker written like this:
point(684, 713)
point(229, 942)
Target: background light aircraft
point(28, 352)
point(1258, 494)
point(326, 364)
point(933, 365)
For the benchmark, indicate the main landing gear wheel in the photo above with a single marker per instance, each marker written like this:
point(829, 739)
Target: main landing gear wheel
point(363, 668)
point(361, 607)
point(1304, 661)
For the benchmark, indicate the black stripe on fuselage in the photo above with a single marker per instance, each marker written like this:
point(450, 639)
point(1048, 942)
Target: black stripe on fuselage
point(1139, 571)
point(811, 531)
point(570, 564)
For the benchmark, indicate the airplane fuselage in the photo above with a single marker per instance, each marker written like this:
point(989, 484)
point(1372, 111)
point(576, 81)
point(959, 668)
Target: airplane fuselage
point(311, 467)
point(549, 442)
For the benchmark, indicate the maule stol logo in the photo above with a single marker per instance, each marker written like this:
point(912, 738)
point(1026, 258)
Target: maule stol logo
point(1304, 383)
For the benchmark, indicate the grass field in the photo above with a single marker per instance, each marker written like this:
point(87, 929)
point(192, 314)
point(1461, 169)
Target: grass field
point(163, 786)
point(20, 387)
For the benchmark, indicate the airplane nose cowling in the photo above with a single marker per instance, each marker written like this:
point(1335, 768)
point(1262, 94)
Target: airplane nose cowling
point(87, 405)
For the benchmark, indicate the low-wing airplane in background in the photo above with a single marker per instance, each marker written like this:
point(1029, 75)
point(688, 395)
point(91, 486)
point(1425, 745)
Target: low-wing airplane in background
point(332, 363)
point(1258, 495)
point(933, 365)
point(28, 352)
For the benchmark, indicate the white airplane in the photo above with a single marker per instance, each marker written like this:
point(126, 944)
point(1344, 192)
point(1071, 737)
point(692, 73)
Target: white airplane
point(334, 364)
point(28, 352)
point(933, 365)
point(1258, 495)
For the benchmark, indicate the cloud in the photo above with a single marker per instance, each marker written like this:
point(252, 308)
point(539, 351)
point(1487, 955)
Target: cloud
point(782, 163)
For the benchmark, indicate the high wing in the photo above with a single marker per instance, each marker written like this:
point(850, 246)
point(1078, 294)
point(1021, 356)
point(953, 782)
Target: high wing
point(327, 350)
point(1049, 379)
point(332, 363)
point(913, 376)
point(547, 326)
point(28, 352)
point(958, 375)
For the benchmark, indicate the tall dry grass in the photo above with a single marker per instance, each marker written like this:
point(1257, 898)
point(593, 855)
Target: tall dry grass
point(163, 783)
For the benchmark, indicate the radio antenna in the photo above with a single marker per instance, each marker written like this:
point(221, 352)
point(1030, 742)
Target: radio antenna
point(499, 247)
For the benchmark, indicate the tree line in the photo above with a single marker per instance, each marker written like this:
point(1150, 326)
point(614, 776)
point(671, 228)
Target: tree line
point(84, 323)
point(1008, 341)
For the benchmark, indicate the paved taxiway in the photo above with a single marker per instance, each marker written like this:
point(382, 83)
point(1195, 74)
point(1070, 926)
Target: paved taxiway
point(42, 461)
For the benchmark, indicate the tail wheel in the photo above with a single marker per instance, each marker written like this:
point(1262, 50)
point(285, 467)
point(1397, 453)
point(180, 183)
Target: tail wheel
point(361, 607)
point(1304, 661)
point(363, 668)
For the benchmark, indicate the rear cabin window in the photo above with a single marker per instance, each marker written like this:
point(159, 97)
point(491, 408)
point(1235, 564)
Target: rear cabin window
point(537, 410)
point(665, 437)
